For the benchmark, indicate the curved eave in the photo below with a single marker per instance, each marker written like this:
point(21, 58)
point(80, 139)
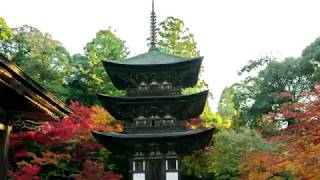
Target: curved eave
point(14, 77)
point(124, 75)
point(180, 106)
point(120, 65)
point(147, 99)
point(181, 142)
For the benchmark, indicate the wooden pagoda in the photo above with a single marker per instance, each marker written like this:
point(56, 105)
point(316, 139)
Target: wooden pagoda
point(23, 105)
point(154, 112)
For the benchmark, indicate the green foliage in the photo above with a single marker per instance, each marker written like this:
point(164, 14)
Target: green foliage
point(311, 54)
point(200, 86)
point(87, 76)
point(106, 46)
point(209, 118)
point(312, 51)
point(226, 106)
point(40, 56)
point(213, 119)
point(256, 64)
point(5, 31)
point(260, 94)
point(48, 62)
point(230, 147)
point(175, 39)
point(196, 164)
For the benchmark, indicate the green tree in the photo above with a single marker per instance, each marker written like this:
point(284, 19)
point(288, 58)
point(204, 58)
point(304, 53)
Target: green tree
point(5, 36)
point(229, 149)
point(87, 76)
point(5, 31)
point(40, 56)
point(224, 158)
point(226, 106)
point(311, 54)
point(175, 38)
point(312, 51)
point(276, 82)
point(106, 46)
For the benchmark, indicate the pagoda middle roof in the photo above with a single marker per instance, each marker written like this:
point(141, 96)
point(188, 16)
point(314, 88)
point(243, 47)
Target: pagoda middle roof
point(153, 57)
point(179, 106)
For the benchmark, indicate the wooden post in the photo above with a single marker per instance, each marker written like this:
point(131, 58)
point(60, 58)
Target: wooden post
point(5, 131)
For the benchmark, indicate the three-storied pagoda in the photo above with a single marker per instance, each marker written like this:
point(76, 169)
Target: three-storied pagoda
point(154, 112)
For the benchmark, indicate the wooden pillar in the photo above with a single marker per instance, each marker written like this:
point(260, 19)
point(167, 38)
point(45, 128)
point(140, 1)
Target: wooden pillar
point(5, 131)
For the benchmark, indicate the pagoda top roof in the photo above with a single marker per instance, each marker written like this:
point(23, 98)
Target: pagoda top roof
point(153, 57)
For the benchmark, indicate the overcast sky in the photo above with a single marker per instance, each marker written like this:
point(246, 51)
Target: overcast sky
point(228, 32)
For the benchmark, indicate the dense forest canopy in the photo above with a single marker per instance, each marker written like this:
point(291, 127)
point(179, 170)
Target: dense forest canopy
point(81, 76)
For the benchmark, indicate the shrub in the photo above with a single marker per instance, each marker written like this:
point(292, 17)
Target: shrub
point(64, 149)
point(231, 146)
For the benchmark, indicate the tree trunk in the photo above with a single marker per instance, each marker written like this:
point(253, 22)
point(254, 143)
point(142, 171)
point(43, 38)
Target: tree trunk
point(5, 131)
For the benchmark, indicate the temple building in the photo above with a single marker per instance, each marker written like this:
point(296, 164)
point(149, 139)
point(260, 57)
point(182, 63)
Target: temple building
point(24, 105)
point(154, 112)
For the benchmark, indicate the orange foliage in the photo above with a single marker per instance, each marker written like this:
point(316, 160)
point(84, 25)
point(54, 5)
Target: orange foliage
point(301, 157)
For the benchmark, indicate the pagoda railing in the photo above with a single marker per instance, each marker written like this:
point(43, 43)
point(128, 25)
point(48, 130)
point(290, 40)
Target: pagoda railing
point(176, 125)
point(154, 91)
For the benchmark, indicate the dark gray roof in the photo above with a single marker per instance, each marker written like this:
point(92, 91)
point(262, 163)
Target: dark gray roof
point(154, 135)
point(19, 87)
point(180, 142)
point(153, 57)
point(180, 106)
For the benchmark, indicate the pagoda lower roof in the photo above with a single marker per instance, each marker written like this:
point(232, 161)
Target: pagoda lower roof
point(180, 142)
point(153, 66)
point(181, 107)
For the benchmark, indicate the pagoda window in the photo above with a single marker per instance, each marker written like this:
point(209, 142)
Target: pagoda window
point(171, 164)
point(165, 85)
point(138, 168)
point(141, 122)
point(172, 169)
point(155, 121)
point(154, 85)
point(142, 86)
point(167, 120)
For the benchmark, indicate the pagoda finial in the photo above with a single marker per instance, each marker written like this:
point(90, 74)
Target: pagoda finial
point(153, 29)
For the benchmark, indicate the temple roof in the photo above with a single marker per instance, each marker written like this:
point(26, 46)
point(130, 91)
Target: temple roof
point(181, 107)
point(154, 57)
point(154, 66)
point(23, 98)
point(181, 142)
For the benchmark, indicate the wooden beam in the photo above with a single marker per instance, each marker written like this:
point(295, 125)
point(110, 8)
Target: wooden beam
point(5, 131)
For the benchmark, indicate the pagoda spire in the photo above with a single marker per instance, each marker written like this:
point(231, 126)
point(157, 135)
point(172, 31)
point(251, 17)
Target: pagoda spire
point(153, 29)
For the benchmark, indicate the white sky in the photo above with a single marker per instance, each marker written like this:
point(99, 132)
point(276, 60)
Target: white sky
point(228, 32)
